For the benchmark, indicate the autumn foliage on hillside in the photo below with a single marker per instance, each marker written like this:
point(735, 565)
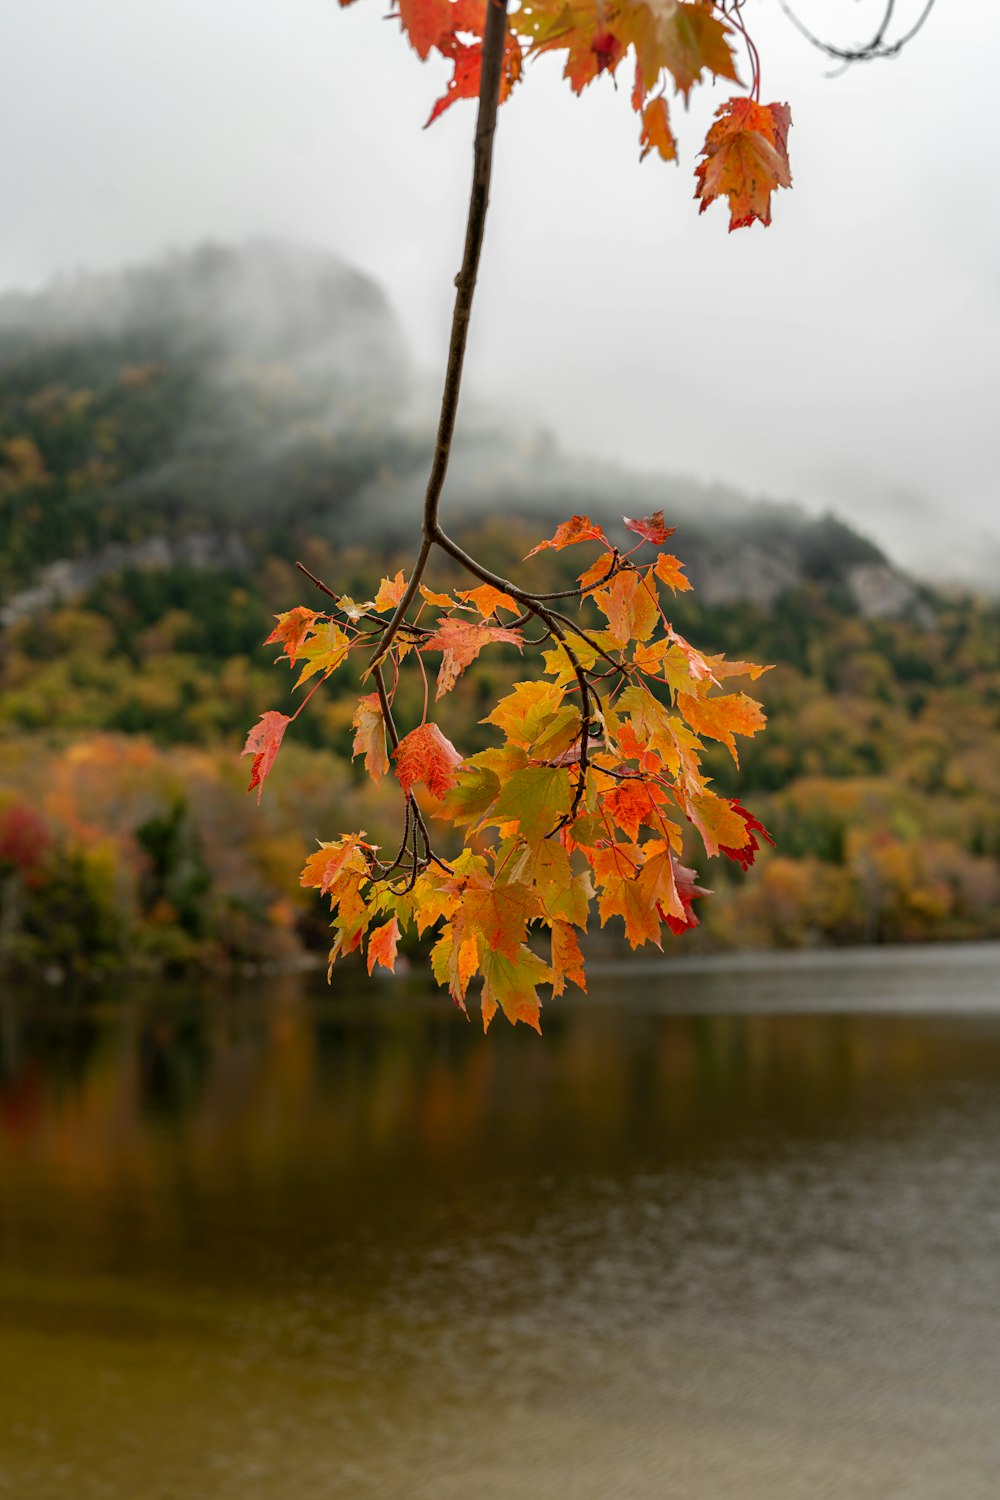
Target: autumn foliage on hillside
point(656, 46)
point(585, 797)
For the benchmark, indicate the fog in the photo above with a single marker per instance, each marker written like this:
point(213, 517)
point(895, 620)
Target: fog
point(844, 359)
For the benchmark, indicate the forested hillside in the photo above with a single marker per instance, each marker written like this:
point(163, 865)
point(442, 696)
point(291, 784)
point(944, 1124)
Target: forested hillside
point(173, 439)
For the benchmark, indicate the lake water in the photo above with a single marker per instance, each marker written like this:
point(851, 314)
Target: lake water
point(730, 1230)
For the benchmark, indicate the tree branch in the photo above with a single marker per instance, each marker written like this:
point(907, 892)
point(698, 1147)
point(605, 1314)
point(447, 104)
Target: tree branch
point(876, 47)
point(494, 39)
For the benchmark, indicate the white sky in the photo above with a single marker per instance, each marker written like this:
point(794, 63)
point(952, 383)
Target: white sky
point(847, 356)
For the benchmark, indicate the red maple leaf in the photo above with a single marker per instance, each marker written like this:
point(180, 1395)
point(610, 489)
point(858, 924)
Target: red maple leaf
point(426, 755)
point(688, 889)
point(650, 528)
point(263, 743)
point(745, 857)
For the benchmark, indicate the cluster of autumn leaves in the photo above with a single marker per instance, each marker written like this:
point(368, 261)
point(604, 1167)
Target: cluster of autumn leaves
point(586, 796)
point(678, 42)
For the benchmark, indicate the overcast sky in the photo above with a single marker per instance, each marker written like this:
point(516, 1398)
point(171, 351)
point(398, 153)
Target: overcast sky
point(846, 357)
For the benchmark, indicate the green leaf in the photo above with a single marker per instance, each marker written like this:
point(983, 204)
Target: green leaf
point(536, 798)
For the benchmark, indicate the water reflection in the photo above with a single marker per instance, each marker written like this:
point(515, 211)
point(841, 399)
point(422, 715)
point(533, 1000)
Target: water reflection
point(272, 1237)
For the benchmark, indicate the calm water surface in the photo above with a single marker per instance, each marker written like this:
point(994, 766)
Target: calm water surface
point(731, 1230)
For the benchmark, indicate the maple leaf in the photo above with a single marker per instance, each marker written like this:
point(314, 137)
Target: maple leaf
point(424, 22)
point(523, 711)
point(630, 803)
point(720, 827)
point(461, 641)
point(541, 864)
point(390, 591)
point(622, 896)
point(534, 798)
point(721, 717)
point(426, 755)
point(512, 984)
point(598, 571)
point(631, 606)
point(650, 528)
point(323, 652)
point(382, 945)
point(263, 743)
point(351, 608)
point(746, 159)
point(586, 649)
point(685, 38)
point(656, 136)
point(500, 914)
point(467, 63)
point(653, 726)
point(488, 600)
point(688, 889)
point(559, 739)
point(576, 529)
point(668, 571)
point(292, 626)
point(747, 853)
point(369, 739)
point(656, 880)
point(331, 861)
point(720, 668)
point(567, 959)
point(631, 747)
point(454, 960)
point(474, 793)
point(442, 600)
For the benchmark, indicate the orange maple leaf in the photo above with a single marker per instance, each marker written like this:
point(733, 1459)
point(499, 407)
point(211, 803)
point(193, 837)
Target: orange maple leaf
point(720, 827)
point(631, 606)
point(291, 627)
point(657, 136)
point(668, 571)
point(567, 959)
point(631, 803)
point(263, 743)
point(488, 600)
point(721, 717)
point(444, 600)
point(577, 529)
point(328, 864)
point(461, 641)
point(382, 945)
point(746, 158)
point(598, 571)
point(426, 755)
point(390, 591)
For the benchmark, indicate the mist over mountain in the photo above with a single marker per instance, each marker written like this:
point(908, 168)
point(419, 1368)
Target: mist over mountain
point(269, 390)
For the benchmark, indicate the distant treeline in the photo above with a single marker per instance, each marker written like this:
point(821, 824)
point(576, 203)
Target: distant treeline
point(126, 835)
